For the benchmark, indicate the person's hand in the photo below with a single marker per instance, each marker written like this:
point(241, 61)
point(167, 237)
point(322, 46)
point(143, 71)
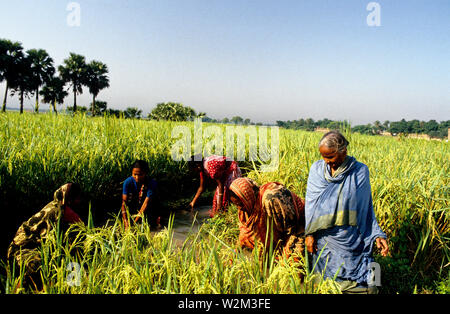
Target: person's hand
point(383, 246)
point(191, 205)
point(310, 243)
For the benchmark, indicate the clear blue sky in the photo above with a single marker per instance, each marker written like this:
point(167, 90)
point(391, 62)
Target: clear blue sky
point(263, 60)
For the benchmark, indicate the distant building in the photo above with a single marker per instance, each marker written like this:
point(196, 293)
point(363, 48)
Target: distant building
point(322, 130)
point(420, 136)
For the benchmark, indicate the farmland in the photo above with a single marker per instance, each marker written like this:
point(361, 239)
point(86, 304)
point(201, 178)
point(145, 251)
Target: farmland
point(40, 152)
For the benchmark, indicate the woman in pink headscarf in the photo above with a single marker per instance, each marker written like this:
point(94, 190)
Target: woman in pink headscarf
point(220, 169)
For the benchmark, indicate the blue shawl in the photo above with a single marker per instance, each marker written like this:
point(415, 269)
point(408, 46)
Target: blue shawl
point(339, 214)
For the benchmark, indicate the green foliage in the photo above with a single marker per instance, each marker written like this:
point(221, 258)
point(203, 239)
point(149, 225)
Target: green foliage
point(432, 128)
point(96, 80)
point(11, 54)
point(38, 153)
point(172, 112)
point(53, 92)
point(42, 70)
point(310, 125)
point(98, 108)
point(74, 72)
point(132, 113)
point(138, 260)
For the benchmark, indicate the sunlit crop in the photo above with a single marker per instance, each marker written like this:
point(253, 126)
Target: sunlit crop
point(39, 153)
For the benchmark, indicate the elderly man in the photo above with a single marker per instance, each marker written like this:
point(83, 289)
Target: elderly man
point(341, 227)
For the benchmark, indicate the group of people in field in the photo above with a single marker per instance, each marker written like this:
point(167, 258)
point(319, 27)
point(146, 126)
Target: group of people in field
point(335, 222)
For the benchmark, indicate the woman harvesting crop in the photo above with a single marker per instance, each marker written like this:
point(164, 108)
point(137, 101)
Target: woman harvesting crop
point(24, 249)
point(223, 171)
point(270, 203)
point(340, 222)
point(139, 193)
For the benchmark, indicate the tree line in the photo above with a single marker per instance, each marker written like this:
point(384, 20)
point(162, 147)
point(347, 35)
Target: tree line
point(431, 128)
point(310, 125)
point(33, 73)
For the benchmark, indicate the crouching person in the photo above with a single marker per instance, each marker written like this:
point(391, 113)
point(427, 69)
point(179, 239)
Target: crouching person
point(273, 203)
point(24, 249)
point(140, 195)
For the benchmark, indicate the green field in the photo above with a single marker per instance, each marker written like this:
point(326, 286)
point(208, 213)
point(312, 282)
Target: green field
point(40, 152)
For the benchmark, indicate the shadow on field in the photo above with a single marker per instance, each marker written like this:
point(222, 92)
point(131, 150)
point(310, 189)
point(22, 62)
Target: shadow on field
point(19, 201)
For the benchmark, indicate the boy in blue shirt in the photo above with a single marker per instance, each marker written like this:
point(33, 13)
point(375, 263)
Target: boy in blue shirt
point(139, 192)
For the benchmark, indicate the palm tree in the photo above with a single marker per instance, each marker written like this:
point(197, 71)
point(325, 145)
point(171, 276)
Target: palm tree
point(96, 80)
point(53, 92)
point(42, 70)
point(3, 49)
point(10, 54)
point(22, 81)
point(74, 72)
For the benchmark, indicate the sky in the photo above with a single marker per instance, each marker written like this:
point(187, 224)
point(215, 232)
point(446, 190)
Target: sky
point(263, 60)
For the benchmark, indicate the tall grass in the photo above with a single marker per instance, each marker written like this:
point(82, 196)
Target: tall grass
point(138, 260)
point(38, 153)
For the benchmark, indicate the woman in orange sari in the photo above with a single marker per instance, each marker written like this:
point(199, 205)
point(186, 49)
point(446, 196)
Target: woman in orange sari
point(270, 203)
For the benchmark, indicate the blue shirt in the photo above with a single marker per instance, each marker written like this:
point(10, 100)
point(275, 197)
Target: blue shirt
point(132, 190)
point(130, 187)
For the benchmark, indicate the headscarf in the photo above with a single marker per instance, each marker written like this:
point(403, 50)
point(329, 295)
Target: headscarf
point(28, 236)
point(244, 189)
point(261, 202)
point(249, 224)
point(62, 194)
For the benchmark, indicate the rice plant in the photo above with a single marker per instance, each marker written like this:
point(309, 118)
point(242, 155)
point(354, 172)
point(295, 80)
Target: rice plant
point(39, 153)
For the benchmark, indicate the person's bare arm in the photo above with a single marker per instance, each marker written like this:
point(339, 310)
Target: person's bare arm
point(383, 246)
point(220, 194)
point(311, 244)
point(124, 211)
point(143, 208)
point(200, 190)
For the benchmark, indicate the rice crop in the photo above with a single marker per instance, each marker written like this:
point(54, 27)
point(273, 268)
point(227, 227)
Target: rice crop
point(39, 153)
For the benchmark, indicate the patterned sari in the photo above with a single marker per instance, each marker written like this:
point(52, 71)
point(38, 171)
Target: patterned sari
point(25, 246)
point(219, 168)
point(273, 203)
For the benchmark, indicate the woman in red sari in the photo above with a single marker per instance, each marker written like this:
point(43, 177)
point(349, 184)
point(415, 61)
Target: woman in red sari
point(220, 169)
point(273, 203)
